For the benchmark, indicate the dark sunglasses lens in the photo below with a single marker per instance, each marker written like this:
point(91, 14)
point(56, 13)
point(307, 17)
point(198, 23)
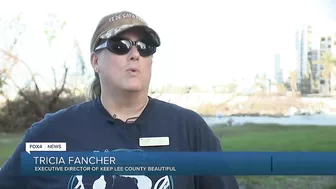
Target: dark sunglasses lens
point(144, 49)
point(120, 46)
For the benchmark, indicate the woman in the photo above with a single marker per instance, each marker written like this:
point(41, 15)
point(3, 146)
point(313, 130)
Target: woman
point(119, 116)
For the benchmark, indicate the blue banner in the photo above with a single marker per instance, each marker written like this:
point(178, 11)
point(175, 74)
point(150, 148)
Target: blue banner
point(178, 163)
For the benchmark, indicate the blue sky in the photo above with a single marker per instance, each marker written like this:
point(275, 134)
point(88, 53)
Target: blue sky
point(203, 42)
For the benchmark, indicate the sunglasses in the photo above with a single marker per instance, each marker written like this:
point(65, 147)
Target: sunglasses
point(124, 46)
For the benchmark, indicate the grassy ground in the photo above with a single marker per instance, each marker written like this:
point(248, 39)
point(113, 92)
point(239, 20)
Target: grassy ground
point(8, 143)
point(255, 138)
point(280, 138)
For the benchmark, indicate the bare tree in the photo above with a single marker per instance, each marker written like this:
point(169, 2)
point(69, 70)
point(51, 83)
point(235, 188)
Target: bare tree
point(31, 91)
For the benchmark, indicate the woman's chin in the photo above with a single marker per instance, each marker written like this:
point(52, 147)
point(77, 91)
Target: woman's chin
point(133, 87)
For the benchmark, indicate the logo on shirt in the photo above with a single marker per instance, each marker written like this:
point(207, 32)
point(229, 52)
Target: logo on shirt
point(120, 181)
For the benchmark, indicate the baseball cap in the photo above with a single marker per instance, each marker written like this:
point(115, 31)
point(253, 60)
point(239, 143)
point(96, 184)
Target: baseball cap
point(113, 24)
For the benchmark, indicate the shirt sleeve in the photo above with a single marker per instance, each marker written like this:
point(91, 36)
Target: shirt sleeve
point(10, 172)
point(10, 177)
point(204, 140)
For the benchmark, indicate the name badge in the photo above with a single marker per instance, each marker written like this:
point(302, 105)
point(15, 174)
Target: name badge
point(154, 141)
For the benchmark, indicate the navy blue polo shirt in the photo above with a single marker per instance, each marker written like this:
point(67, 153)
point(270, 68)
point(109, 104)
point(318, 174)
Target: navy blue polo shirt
point(89, 127)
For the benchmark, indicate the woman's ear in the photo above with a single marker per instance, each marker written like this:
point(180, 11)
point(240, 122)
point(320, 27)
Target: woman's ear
point(94, 62)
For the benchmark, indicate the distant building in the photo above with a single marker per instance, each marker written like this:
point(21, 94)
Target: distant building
point(327, 45)
point(303, 44)
point(313, 56)
point(307, 51)
point(278, 72)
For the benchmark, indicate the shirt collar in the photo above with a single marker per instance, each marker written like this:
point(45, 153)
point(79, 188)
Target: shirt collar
point(141, 119)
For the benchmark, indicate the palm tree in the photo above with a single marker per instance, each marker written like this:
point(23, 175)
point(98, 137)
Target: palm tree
point(261, 82)
point(293, 84)
point(328, 62)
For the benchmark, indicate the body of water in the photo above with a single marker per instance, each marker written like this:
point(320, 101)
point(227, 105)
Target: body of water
point(321, 120)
